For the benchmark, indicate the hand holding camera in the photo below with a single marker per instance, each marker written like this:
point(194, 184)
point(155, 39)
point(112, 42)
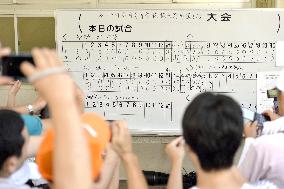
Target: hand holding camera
point(121, 138)
point(272, 116)
point(176, 150)
point(4, 52)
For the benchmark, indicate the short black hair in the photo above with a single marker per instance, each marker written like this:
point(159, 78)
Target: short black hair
point(11, 138)
point(212, 127)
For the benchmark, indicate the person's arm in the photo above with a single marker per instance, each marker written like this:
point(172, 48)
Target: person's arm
point(250, 129)
point(268, 126)
point(108, 170)
point(250, 133)
point(122, 144)
point(46, 124)
point(13, 91)
point(273, 127)
point(175, 151)
point(33, 145)
point(272, 116)
point(71, 155)
point(248, 142)
point(80, 98)
point(135, 177)
point(37, 105)
point(114, 183)
point(252, 165)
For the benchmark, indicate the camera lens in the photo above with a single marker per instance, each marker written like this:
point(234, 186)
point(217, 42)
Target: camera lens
point(156, 178)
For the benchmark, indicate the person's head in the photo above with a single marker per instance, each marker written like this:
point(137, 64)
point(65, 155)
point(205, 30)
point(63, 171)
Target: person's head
point(280, 87)
point(212, 128)
point(13, 142)
point(97, 133)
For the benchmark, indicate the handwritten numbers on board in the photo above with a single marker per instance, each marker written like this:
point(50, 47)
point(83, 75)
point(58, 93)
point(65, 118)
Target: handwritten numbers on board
point(145, 66)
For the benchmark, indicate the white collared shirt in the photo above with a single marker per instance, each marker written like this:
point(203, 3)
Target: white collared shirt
point(256, 185)
point(263, 159)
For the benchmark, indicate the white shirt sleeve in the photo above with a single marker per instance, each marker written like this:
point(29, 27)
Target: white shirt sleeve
point(249, 165)
point(248, 142)
point(273, 127)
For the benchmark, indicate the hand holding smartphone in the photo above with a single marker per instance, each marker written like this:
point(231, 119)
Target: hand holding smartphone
point(10, 65)
point(254, 116)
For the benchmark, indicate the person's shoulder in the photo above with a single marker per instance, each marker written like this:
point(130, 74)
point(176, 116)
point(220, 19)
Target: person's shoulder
point(275, 122)
point(267, 146)
point(267, 140)
point(260, 185)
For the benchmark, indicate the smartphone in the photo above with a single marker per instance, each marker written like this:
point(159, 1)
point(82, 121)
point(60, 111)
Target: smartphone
point(10, 65)
point(252, 116)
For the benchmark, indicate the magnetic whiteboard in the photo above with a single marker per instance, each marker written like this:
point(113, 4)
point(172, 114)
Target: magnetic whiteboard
point(145, 66)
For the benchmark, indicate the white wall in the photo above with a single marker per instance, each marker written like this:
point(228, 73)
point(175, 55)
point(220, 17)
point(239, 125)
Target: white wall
point(46, 7)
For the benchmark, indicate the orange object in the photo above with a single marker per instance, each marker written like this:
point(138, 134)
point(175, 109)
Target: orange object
point(98, 135)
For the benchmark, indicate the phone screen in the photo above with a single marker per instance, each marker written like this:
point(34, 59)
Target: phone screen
point(10, 65)
point(248, 114)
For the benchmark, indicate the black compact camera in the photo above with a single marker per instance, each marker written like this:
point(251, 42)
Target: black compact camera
point(274, 93)
point(10, 65)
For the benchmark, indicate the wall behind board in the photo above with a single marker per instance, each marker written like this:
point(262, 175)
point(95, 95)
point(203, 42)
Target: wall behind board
point(23, 22)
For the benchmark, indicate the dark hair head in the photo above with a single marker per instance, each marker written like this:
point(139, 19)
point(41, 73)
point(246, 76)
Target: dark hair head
point(212, 127)
point(11, 138)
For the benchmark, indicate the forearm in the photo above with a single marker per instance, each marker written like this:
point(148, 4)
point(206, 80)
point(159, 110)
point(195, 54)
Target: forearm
point(135, 177)
point(71, 158)
point(33, 145)
point(107, 173)
point(20, 109)
point(175, 179)
point(46, 124)
point(24, 109)
point(11, 101)
point(114, 183)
